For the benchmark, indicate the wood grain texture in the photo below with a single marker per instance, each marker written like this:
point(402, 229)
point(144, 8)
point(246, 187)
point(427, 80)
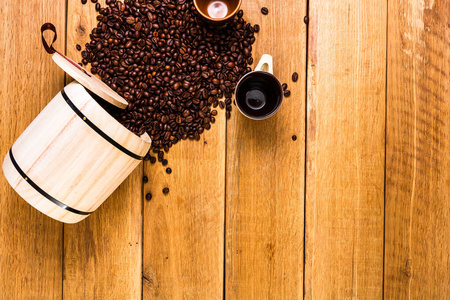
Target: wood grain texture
point(30, 242)
point(265, 169)
point(103, 254)
point(417, 243)
point(345, 149)
point(184, 230)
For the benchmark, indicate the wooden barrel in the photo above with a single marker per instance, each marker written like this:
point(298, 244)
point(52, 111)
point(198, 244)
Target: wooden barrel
point(72, 156)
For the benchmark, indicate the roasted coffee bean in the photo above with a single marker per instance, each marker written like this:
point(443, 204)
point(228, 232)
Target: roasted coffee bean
point(94, 1)
point(306, 19)
point(78, 47)
point(165, 190)
point(294, 137)
point(83, 1)
point(287, 93)
point(295, 77)
point(130, 20)
point(169, 66)
point(284, 86)
point(145, 179)
point(165, 162)
point(168, 170)
point(97, 7)
point(256, 28)
point(264, 10)
point(148, 196)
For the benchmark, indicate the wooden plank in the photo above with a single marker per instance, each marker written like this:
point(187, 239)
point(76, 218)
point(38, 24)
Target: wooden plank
point(417, 243)
point(345, 149)
point(265, 170)
point(30, 242)
point(184, 230)
point(103, 254)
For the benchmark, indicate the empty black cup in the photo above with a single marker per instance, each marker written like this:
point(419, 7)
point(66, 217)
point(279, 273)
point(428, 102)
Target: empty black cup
point(259, 93)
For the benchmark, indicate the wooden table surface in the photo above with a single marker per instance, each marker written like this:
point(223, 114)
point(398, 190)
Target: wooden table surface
point(357, 207)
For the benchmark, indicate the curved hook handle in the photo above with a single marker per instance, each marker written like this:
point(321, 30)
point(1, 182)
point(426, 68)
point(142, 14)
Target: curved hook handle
point(45, 27)
point(265, 64)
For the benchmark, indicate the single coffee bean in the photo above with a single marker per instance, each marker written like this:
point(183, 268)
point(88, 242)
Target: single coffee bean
point(145, 179)
point(165, 162)
point(294, 138)
point(284, 86)
point(97, 7)
point(287, 93)
point(264, 10)
point(94, 1)
point(168, 170)
point(295, 77)
point(306, 19)
point(152, 159)
point(165, 190)
point(83, 1)
point(240, 13)
point(148, 196)
point(78, 47)
point(256, 28)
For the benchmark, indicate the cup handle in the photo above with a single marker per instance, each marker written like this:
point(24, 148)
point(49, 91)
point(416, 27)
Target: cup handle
point(265, 64)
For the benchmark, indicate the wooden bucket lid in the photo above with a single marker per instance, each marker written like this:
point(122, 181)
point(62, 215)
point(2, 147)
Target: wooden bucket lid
point(89, 81)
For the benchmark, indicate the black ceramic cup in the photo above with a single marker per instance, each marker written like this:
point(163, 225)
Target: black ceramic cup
point(259, 93)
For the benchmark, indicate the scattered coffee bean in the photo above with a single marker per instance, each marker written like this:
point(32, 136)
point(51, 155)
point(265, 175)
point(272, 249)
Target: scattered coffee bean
point(152, 159)
point(148, 196)
point(94, 1)
point(97, 7)
point(287, 93)
point(164, 162)
point(78, 47)
point(168, 65)
point(83, 1)
point(165, 190)
point(295, 77)
point(256, 28)
point(145, 179)
point(294, 137)
point(284, 86)
point(306, 19)
point(264, 10)
point(168, 170)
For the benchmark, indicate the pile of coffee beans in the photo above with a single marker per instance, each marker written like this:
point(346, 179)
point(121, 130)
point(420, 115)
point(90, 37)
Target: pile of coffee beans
point(172, 68)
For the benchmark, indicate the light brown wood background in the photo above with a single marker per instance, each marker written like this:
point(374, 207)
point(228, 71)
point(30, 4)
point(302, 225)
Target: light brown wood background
point(357, 207)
